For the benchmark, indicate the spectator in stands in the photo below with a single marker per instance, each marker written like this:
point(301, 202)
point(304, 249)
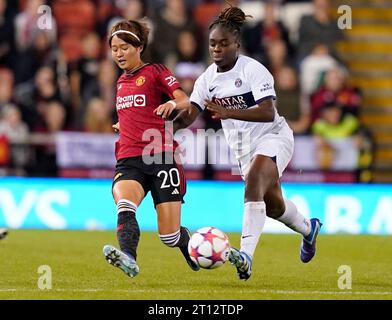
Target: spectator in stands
point(336, 123)
point(129, 10)
point(7, 43)
point(12, 126)
point(104, 88)
point(277, 56)
point(188, 65)
point(41, 52)
point(30, 96)
point(52, 122)
point(336, 88)
point(168, 24)
point(332, 124)
point(6, 87)
point(27, 30)
point(188, 62)
point(107, 78)
point(290, 103)
point(98, 118)
point(84, 76)
point(257, 38)
point(53, 118)
point(187, 48)
point(313, 67)
point(318, 27)
point(26, 24)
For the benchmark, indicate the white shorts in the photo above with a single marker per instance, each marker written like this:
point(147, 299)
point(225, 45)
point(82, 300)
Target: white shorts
point(279, 145)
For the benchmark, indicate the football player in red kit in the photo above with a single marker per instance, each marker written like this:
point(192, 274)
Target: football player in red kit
point(144, 151)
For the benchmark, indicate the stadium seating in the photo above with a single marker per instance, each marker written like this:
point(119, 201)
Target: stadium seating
point(367, 51)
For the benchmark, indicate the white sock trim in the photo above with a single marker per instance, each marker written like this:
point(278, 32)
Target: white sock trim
point(171, 239)
point(126, 205)
point(254, 205)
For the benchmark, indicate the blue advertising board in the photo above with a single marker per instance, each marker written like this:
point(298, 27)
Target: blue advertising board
point(88, 204)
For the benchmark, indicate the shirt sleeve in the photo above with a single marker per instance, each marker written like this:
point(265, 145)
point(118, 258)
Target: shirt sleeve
point(169, 83)
point(261, 82)
point(199, 93)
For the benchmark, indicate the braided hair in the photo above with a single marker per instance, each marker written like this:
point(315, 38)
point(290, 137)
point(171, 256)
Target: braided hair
point(231, 18)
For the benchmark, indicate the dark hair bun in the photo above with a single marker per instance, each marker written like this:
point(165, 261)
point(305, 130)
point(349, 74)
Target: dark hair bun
point(233, 15)
point(231, 18)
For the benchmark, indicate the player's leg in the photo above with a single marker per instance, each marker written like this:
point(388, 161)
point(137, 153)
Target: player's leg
point(168, 189)
point(128, 195)
point(262, 174)
point(282, 209)
point(170, 230)
point(285, 211)
point(3, 233)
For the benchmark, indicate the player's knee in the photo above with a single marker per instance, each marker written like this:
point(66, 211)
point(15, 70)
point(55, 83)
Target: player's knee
point(275, 211)
point(171, 239)
point(254, 190)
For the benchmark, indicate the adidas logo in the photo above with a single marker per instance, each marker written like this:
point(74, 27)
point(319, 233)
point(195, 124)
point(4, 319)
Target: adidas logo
point(175, 191)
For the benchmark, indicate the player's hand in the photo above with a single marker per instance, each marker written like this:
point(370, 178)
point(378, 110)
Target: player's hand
point(116, 127)
point(165, 110)
point(217, 111)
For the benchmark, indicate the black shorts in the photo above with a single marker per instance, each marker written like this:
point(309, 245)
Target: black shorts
point(166, 181)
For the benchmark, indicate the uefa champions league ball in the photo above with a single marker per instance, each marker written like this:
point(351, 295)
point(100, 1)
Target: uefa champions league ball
point(209, 247)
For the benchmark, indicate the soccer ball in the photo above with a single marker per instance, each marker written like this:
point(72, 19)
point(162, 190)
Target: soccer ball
point(209, 247)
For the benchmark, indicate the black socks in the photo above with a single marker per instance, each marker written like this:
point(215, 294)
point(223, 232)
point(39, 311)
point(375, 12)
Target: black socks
point(128, 232)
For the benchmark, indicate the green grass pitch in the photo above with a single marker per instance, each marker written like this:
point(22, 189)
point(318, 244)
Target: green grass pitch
point(79, 270)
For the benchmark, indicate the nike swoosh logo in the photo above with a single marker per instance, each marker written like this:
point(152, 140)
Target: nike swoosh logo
point(211, 89)
point(243, 237)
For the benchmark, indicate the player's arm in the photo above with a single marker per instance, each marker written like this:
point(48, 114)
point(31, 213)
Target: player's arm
point(185, 117)
point(180, 102)
point(184, 112)
point(264, 112)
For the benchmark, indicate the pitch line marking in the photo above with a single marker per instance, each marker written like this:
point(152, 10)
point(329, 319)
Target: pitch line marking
point(292, 292)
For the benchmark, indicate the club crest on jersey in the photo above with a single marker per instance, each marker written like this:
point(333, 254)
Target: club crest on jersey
point(140, 81)
point(238, 82)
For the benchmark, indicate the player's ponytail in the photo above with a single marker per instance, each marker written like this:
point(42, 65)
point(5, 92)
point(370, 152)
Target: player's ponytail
point(231, 18)
point(132, 32)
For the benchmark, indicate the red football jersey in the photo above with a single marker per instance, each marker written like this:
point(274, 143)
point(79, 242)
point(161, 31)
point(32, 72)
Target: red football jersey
point(138, 94)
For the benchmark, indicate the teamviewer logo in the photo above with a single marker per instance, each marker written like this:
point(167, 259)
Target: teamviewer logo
point(139, 100)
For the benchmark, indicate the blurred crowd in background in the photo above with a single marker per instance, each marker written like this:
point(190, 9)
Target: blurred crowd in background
point(63, 79)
